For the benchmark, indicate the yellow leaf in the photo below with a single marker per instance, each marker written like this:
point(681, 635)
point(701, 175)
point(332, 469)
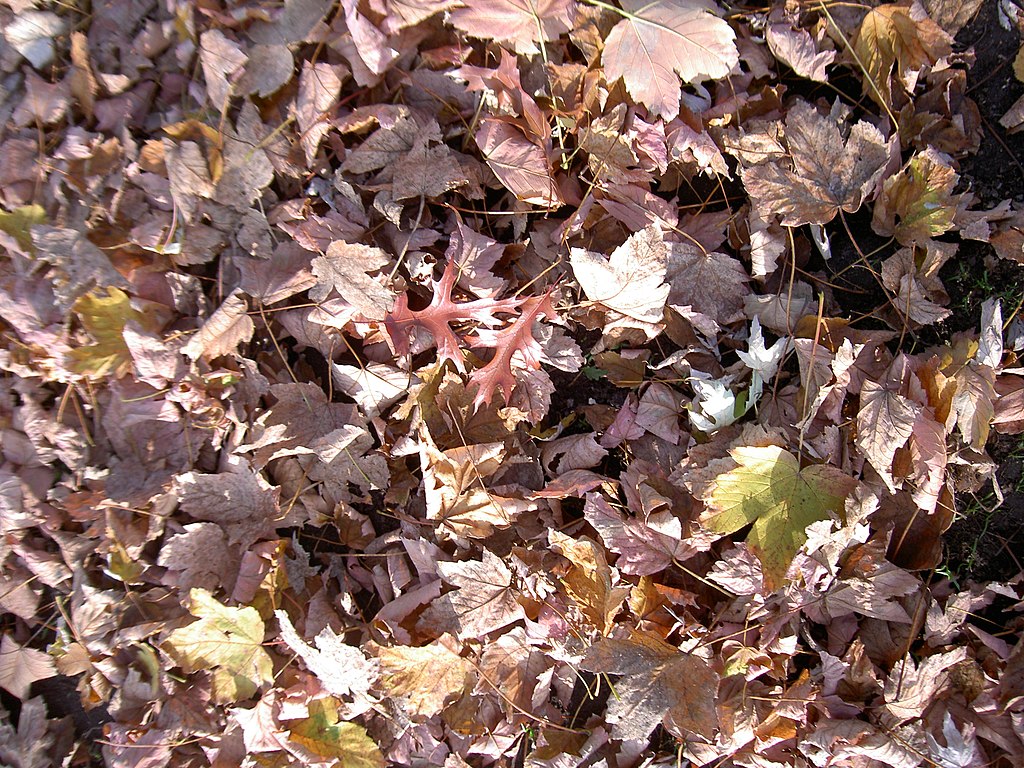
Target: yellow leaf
point(889, 37)
point(104, 318)
point(1018, 65)
point(326, 739)
point(226, 641)
point(427, 677)
point(769, 489)
point(19, 222)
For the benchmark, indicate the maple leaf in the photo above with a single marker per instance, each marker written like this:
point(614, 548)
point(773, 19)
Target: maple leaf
point(660, 41)
point(437, 318)
point(659, 684)
point(828, 173)
point(589, 580)
point(522, 165)
point(77, 265)
point(319, 86)
point(320, 739)
point(885, 422)
point(240, 502)
point(523, 23)
point(484, 601)
point(342, 669)
point(630, 283)
point(344, 268)
point(645, 545)
point(226, 641)
point(31, 33)
point(229, 326)
point(798, 50)
point(710, 283)
point(769, 489)
point(427, 677)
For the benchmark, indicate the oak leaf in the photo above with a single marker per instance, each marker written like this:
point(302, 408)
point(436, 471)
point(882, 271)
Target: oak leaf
point(659, 42)
point(437, 318)
point(770, 490)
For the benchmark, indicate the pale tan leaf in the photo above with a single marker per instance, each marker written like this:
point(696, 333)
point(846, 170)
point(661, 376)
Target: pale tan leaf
point(426, 678)
point(228, 327)
point(659, 42)
point(630, 283)
point(21, 666)
point(523, 23)
point(885, 422)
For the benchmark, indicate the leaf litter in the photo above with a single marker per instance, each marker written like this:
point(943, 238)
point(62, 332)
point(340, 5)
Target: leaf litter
point(468, 383)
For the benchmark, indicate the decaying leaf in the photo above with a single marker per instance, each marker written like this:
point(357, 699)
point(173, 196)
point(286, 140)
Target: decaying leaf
point(659, 684)
point(828, 172)
point(322, 739)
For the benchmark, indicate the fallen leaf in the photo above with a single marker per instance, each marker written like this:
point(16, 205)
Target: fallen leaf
point(229, 326)
point(659, 684)
point(522, 23)
point(426, 678)
point(630, 283)
point(828, 173)
point(770, 490)
point(659, 42)
point(321, 739)
point(21, 666)
point(226, 641)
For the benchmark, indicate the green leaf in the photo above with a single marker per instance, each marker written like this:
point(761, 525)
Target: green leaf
point(322, 735)
point(769, 489)
point(227, 641)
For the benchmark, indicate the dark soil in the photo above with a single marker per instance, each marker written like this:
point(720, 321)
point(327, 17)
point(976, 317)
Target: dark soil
point(983, 543)
point(987, 543)
point(995, 173)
